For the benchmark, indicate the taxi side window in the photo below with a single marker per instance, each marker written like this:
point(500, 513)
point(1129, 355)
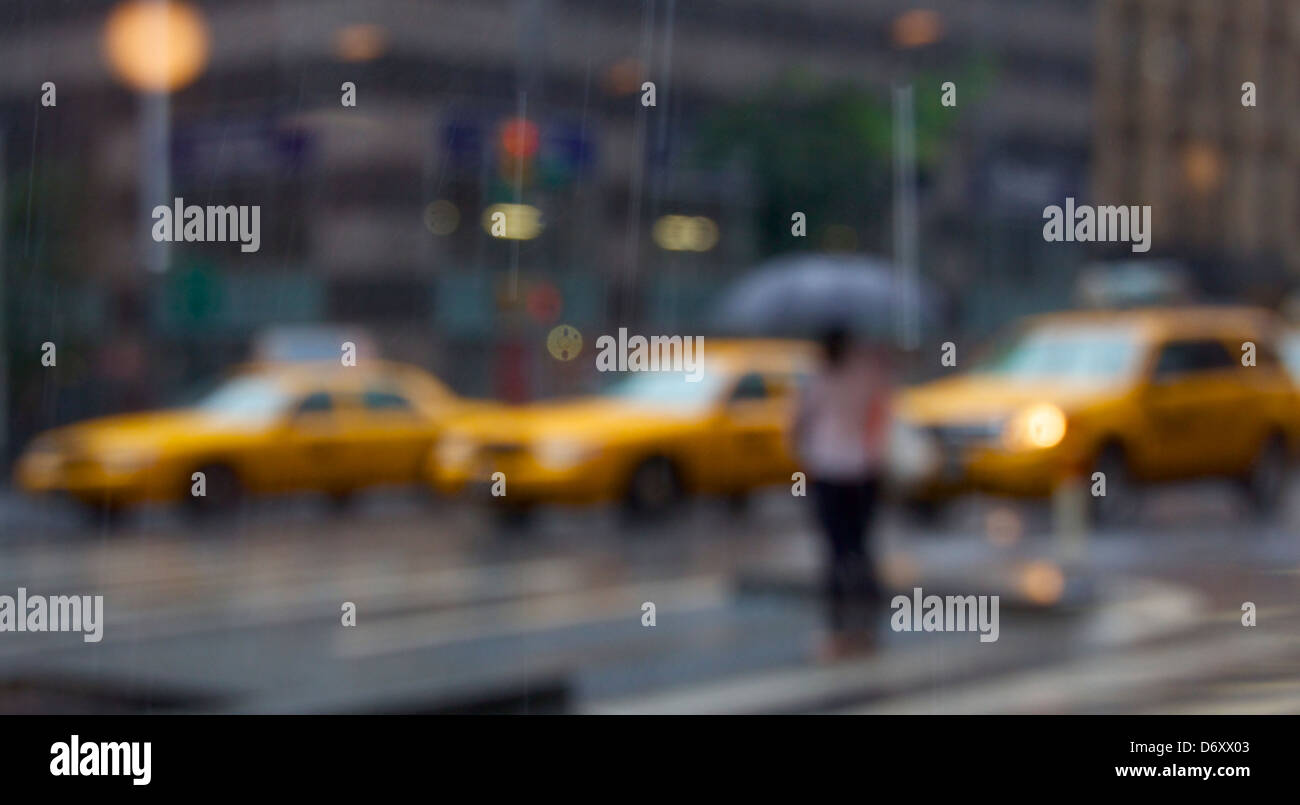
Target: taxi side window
point(315, 403)
point(781, 386)
point(750, 387)
point(1265, 356)
point(385, 400)
point(1179, 358)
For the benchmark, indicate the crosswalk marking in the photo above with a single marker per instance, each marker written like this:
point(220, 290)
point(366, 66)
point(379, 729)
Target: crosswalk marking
point(458, 600)
point(404, 633)
point(1091, 682)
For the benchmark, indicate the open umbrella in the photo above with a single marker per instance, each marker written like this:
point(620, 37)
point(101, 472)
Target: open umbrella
point(802, 295)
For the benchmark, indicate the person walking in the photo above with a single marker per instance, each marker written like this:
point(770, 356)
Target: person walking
point(840, 431)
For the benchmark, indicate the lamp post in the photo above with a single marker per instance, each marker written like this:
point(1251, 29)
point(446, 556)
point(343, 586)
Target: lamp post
point(905, 223)
point(4, 301)
point(155, 47)
point(911, 31)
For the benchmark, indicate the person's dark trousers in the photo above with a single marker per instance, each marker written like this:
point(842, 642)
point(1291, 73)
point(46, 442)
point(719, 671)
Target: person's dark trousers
point(845, 511)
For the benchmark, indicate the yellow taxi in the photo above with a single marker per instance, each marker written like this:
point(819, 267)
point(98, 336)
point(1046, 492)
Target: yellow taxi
point(649, 440)
point(1142, 396)
point(266, 428)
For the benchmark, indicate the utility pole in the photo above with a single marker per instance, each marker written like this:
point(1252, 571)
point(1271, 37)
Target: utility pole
point(4, 318)
point(155, 174)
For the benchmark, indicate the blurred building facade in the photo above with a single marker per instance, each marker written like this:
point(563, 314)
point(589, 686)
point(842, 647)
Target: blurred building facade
point(350, 230)
point(1174, 130)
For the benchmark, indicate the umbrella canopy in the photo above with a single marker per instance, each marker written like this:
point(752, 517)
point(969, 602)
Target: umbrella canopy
point(803, 295)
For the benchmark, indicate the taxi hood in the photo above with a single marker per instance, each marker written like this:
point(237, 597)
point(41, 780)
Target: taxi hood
point(983, 397)
point(585, 418)
point(147, 429)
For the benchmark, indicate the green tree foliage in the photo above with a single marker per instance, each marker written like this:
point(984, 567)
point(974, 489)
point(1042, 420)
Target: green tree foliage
point(825, 149)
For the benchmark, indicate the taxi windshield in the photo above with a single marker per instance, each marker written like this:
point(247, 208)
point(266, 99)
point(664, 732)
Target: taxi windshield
point(678, 391)
point(1079, 353)
point(247, 398)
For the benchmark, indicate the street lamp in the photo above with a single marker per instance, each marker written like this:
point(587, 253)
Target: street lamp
point(911, 31)
point(155, 47)
point(917, 28)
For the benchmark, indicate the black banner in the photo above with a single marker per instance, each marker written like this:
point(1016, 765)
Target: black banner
point(1020, 754)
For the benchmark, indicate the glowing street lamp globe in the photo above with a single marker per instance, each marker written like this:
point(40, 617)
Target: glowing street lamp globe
point(156, 45)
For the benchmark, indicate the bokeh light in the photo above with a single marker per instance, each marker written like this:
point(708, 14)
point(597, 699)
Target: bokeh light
point(156, 45)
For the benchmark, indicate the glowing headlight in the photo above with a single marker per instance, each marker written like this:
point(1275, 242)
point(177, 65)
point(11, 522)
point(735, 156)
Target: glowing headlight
point(43, 445)
point(42, 461)
point(455, 451)
point(1037, 427)
point(126, 459)
point(912, 454)
point(562, 454)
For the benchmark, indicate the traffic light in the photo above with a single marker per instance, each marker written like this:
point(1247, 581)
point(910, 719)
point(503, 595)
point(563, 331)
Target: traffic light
point(518, 141)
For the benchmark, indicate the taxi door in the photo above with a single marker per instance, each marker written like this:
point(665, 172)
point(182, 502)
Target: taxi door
point(388, 438)
point(312, 452)
point(758, 414)
point(1194, 409)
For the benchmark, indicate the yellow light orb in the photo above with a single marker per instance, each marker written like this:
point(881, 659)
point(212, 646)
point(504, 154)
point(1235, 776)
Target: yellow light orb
point(1042, 582)
point(1202, 168)
point(917, 28)
point(442, 217)
point(685, 233)
point(156, 45)
point(360, 43)
point(513, 221)
point(1003, 526)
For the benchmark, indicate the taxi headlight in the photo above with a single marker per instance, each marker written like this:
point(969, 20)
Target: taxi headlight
point(912, 453)
point(455, 451)
point(126, 459)
point(41, 462)
point(42, 445)
point(1037, 427)
point(562, 454)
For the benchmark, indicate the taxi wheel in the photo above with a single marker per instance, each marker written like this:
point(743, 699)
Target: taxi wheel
point(108, 514)
point(1121, 502)
point(1266, 483)
point(925, 514)
point(223, 491)
point(514, 517)
point(341, 500)
point(738, 504)
point(654, 488)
